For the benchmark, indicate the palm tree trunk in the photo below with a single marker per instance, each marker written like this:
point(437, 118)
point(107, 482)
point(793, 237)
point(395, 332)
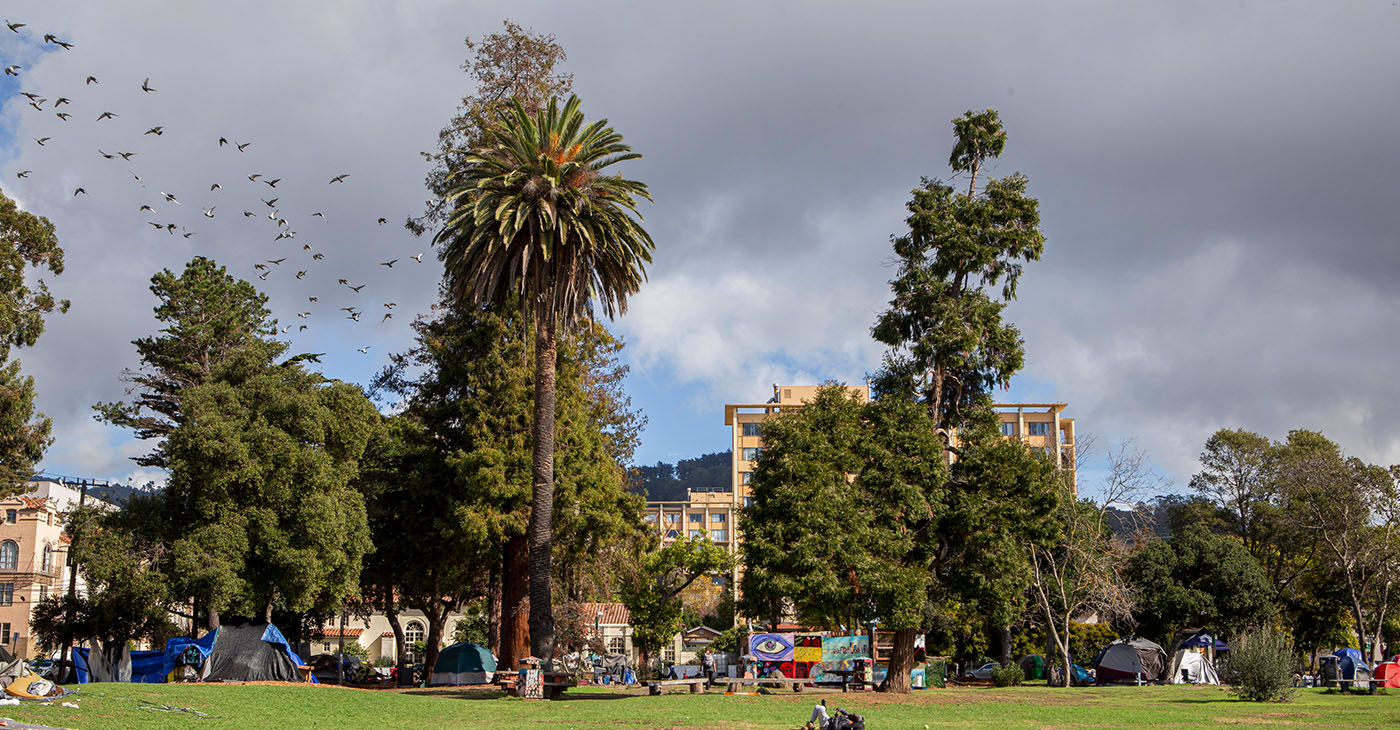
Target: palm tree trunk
point(542, 502)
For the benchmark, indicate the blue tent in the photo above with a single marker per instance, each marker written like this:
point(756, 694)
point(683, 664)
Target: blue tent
point(1203, 640)
point(1348, 661)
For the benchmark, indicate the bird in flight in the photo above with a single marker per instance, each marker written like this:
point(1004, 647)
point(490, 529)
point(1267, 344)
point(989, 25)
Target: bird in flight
point(248, 214)
point(286, 329)
point(417, 257)
point(319, 214)
point(30, 95)
point(170, 198)
point(301, 274)
point(390, 305)
point(273, 182)
point(42, 140)
point(215, 186)
point(106, 115)
point(260, 267)
point(145, 207)
point(154, 224)
point(146, 85)
point(90, 80)
point(317, 256)
point(13, 26)
point(254, 177)
point(355, 289)
point(63, 115)
point(339, 178)
point(138, 179)
point(364, 350)
point(223, 141)
point(186, 234)
point(12, 70)
point(23, 174)
point(51, 38)
point(157, 131)
point(277, 262)
point(243, 146)
point(387, 316)
point(270, 203)
point(301, 328)
point(343, 282)
point(382, 221)
point(389, 264)
point(312, 299)
point(61, 101)
point(126, 155)
point(264, 275)
point(106, 156)
point(79, 191)
point(209, 212)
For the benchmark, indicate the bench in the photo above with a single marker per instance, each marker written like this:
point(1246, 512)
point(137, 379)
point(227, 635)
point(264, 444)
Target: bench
point(555, 684)
point(305, 671)
point(696, 684)
point(1349, 685)
point(734, 683)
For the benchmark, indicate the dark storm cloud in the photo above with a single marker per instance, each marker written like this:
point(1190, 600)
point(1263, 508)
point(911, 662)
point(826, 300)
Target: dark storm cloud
point(1217, 184)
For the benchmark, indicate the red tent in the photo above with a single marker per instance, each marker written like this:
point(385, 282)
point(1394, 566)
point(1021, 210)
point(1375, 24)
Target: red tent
point(1389, 673)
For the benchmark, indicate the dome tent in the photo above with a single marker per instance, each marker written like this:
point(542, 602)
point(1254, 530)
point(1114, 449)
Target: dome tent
point(1191, 667)
point(1126, 659)
point(251, 653)
point(464, 663)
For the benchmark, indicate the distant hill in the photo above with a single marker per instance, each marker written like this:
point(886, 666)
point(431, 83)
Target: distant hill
point(669, 482)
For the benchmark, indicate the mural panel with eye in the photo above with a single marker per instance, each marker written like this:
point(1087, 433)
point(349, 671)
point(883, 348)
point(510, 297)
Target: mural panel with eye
point(771, 647)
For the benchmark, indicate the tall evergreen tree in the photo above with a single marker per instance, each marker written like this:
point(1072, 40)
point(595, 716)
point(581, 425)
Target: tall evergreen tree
point(27, 244)
point(537, 218)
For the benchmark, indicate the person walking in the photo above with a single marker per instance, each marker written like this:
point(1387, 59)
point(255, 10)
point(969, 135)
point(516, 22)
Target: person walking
point(707, 665)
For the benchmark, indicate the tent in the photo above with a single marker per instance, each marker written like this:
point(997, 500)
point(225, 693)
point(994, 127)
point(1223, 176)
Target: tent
point(464, 663)
point(1203, 640)
point(1127, 659)
point(1033, 666)
point(1344, 664)
point(323, 667)
point(1191, 667)
point(1388, 673)
point(613, 669)
point(251, 653)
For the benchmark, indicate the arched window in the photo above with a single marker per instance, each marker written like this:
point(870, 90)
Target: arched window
point(412, 634)
point(48, 558)
point(9, 555)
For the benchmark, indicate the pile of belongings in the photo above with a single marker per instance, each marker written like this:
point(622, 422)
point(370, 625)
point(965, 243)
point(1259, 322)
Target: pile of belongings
point(20, 682)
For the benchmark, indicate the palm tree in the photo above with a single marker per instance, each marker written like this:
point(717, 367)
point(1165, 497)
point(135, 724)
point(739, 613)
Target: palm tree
point(535, 216)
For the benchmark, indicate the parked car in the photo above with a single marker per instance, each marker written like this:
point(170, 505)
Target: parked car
point(984, 671)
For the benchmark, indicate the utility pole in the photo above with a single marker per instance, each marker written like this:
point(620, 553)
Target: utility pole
point(66, 658)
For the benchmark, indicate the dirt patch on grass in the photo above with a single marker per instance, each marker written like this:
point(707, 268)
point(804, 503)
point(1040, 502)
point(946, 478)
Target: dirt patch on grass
point(1268, 718)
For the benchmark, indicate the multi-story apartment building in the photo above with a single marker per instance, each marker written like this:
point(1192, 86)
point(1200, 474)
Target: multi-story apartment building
point(1039, 425)
point(33, 557)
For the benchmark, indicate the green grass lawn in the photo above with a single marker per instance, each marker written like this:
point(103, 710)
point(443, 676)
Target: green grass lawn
point(248, 707)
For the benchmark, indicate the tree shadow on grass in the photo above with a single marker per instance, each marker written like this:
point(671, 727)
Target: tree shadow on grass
point(495, 694)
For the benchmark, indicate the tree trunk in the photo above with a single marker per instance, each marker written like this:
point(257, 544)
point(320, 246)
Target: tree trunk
point(901, 662)
point(493, 609)
point(437, 617)
point(542, 501)
point(194, 618)
point(400, 644)
point(1004, 644)
point(267, 613)
point(212, 621)
point(515, 605)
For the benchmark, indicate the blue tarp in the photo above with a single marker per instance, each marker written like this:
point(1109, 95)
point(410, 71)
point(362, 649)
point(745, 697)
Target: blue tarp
point(1202, 640)
point(1348, 660)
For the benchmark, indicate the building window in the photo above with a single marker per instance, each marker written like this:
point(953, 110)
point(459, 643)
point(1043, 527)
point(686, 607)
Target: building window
point(412, 634)
point(717, 517)
point(5, 633)
point(649, 517)
point(1008, 428)
point(697, 517)
point(717, 535)
point(668, 656)
point(11, 516)
point(751, 453)
point(9, 555)
point(673, 517)
point(750, 429)
point(1038, 428)
point(48, 559)
point(326, 647)
point(745, 477)
point(617, 645)
point(43, 593)
point(748, 501)
point(7, 594)
point(695, 534)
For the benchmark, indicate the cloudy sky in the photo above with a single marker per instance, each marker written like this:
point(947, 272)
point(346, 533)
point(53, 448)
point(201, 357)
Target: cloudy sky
point(1218, 185)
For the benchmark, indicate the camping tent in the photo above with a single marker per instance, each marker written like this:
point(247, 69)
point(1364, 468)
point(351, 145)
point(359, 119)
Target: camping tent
point(323, 667)
point(1388, 673)
point(1033, 666)
point(1203, 640)
point(251, 653)
point(614, 668)
point(1126, 659)
point(1344, 664)
point(464, 663)
point(1191, 667)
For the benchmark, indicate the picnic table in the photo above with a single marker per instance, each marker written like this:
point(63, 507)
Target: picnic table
point(848, 677)
point(696, 684)
point(555, 684)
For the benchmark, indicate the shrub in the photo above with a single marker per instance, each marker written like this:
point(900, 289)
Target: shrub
point(1261, 666)
point(1008, 676)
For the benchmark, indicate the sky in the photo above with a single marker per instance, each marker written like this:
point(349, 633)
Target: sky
point(1218, 183)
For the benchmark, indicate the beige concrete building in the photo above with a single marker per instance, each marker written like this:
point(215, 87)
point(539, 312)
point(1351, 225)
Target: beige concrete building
point(33, 557)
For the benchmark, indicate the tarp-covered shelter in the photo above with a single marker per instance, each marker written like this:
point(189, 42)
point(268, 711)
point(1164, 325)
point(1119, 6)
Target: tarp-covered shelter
point(1033, 666)
point(1127, 659)
point(1191, 667)
point(464, 663)
point(1203, 640)
point(251, 653)
point(615, 668)
point(1344, 664)
point(323, 667)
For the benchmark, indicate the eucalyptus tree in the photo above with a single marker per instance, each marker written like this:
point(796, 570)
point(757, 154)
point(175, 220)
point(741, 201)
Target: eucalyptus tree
point(538, 215)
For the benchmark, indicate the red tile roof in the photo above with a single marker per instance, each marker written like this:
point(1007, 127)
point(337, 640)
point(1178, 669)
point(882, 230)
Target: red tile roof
point(335, 633)
point(613, 613)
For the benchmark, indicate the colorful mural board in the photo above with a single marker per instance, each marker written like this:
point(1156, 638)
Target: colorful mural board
point(839, 652)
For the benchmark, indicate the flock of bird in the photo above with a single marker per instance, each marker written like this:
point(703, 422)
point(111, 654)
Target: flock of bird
point(162, 206)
